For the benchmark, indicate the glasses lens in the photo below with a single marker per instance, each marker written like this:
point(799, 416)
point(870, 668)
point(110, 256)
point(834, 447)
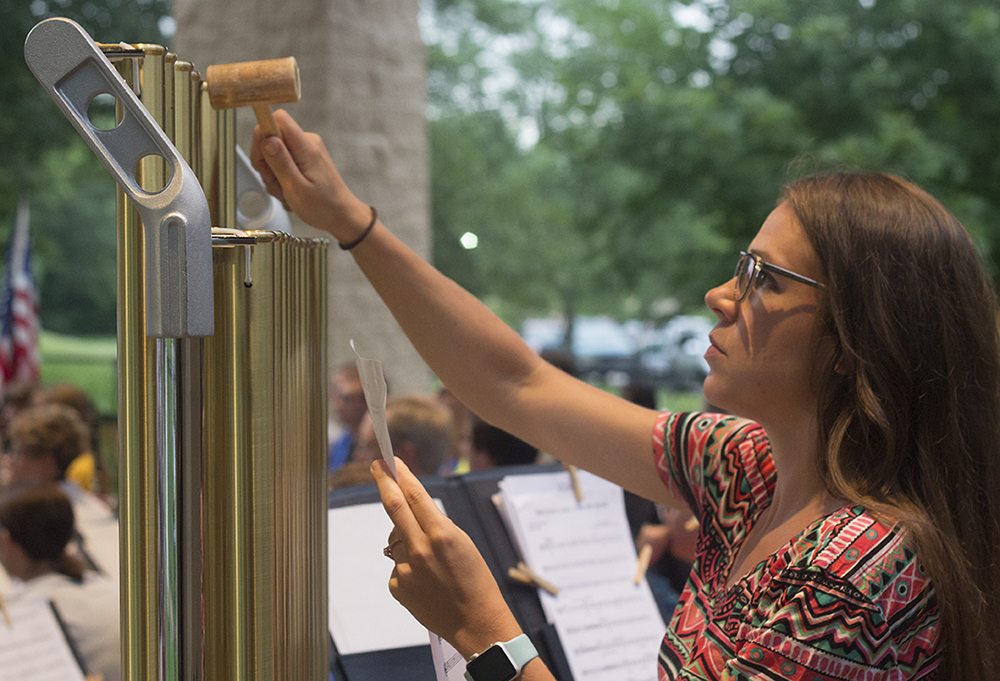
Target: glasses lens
point(744, 274)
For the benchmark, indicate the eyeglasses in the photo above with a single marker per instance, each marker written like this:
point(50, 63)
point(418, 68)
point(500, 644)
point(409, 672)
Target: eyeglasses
point(748, 271)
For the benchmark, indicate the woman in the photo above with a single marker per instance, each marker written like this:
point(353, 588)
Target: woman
point(36, 525)
point(857, 344)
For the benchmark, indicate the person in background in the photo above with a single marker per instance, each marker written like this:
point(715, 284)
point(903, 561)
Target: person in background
point(16, 398)
point(87, 470)
point(351, 474)
point(347, 402)
point(461, 433)
point(658, 526)
point(493, 447)
point(45, 440)
point(420, 430)
point(36, 526)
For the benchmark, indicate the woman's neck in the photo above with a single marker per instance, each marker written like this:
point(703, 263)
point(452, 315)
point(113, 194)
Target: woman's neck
point(800, 487)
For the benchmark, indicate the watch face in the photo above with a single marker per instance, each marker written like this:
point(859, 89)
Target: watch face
point(492, 665)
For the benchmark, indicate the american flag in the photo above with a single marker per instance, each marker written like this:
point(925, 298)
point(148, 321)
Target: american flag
point(19, 354)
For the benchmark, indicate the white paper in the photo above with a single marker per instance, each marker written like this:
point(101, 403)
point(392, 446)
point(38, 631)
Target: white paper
point(100, 542)
point(609, 627)
point(34, 647)
point(363, 615)
point(449, 665)
point(373, 384)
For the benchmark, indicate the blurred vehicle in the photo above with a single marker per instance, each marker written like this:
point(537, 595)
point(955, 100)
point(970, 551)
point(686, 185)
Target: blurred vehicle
point(673, 356)
point(603, 350)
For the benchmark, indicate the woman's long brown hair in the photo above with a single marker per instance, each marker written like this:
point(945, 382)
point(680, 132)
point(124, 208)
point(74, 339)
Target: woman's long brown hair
point(910, 408)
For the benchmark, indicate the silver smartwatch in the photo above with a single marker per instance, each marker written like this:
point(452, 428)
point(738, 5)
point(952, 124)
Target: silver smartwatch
point(501, 661)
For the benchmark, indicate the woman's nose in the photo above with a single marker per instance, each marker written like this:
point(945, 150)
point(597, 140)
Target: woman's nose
point(721, 300)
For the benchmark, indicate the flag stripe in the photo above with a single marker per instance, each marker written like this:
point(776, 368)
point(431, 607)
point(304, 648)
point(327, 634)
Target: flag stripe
point(19, 320)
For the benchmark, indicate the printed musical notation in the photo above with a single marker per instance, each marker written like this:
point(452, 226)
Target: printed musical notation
point(449, 665)
point(33, 647)
point(610, 628)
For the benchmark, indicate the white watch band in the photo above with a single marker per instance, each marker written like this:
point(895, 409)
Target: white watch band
point(519, 651)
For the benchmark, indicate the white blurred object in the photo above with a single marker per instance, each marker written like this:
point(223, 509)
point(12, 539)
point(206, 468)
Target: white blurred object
point(255, 208)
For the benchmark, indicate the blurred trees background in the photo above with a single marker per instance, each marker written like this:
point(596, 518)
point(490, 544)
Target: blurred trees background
point(610, 156)
point(666, 130)
point(43, 158)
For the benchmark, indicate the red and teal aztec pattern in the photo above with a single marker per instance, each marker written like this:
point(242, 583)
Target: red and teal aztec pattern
point(846, 599)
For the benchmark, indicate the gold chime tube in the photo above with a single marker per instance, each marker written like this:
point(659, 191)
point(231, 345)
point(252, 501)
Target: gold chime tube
point(137, 477)
point(223, 563)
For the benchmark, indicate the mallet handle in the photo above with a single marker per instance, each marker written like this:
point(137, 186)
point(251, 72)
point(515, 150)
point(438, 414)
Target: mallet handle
point(266, 120)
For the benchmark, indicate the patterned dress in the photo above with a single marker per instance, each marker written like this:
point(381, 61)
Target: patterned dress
point(845, 599)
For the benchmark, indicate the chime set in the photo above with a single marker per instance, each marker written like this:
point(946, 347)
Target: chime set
point(221, 362)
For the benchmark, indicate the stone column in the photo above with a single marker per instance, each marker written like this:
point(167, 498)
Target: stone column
point(362, 66)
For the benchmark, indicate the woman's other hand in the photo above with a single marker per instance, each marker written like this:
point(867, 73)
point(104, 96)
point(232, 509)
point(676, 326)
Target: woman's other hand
point(657, 537)
point(440, 576)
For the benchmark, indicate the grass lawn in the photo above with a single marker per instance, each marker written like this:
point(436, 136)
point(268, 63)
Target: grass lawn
point(90, 363)
point(674, 401)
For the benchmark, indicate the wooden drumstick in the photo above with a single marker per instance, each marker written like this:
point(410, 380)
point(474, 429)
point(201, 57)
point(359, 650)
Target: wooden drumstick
point(258, 84)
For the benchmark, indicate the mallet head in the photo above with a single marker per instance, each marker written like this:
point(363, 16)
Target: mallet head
point(255, 83)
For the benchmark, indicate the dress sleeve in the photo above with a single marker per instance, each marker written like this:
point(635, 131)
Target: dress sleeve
point(715, 462)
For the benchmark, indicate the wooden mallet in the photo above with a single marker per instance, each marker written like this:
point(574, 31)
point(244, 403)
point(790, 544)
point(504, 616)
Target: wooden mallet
point(255, 83)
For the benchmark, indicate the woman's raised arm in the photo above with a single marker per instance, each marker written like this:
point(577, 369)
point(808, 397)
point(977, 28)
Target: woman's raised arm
point(479, 358)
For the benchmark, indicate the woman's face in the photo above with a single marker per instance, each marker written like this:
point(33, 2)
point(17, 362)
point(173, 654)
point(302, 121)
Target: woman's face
point(765, 349)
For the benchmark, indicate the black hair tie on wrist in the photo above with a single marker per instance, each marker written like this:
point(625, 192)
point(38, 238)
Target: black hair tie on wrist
point(368, 229)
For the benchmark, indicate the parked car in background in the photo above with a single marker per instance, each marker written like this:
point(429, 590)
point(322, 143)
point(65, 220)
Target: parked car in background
point(614, 354)
point(603, 351)
point(673, 356)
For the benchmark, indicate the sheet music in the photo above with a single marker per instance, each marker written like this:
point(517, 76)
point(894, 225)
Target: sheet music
point(609, 627)
point(100, 542)
point(363, 615)
point(449, 665)
point(34, 647)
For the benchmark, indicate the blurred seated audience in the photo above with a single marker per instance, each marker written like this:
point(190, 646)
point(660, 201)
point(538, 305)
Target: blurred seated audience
point(419, 430)
point(16, 398)
point(36, 525)
point(461, 433)
point(642, 394)
point(87, 470)
point(347, 409)
point(44, 440)
point(351, 474)
point(666, 530)
point(493, 447)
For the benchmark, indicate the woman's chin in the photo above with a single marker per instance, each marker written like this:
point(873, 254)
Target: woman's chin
point(717, 398)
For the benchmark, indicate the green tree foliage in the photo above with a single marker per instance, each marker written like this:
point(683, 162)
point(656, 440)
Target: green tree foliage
point(666, 130)
point(42, 157)
point(523, 203)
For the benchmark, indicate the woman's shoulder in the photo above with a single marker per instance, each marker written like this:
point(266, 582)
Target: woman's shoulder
point(715, 454)
point(697, 435)
point(866, 564)
point(870, 553)
point(851, 590)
